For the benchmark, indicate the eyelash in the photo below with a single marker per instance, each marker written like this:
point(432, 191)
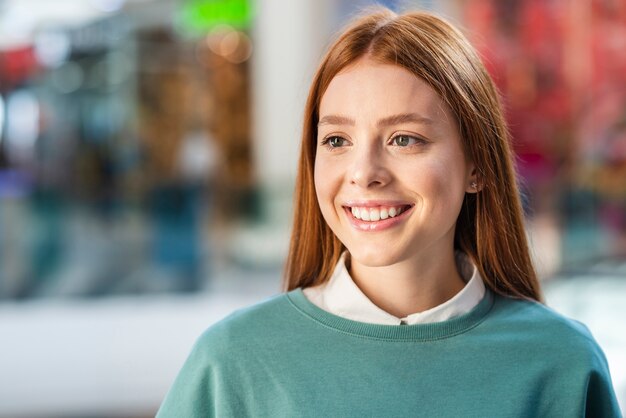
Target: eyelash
point(418, 141)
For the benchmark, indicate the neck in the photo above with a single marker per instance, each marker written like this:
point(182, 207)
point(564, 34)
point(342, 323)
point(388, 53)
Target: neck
point(409, 286)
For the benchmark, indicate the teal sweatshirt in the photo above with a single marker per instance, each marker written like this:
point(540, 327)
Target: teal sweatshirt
point(286, 357)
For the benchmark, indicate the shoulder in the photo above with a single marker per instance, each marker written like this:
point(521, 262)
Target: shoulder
point(250, 324)
point(528, 313)
point(559, 348)
point(226, 352)
point(535, 323)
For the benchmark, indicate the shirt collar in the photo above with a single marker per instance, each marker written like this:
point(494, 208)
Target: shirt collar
point(342, 297)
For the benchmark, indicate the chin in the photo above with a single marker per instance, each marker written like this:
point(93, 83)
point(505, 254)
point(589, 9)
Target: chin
point(374, 257)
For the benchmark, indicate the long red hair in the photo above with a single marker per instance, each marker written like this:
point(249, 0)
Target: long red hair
point(490, 225)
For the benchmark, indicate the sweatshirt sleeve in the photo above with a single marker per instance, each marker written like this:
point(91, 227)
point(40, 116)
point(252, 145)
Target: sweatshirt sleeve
point(601, 401)
point(191, 393)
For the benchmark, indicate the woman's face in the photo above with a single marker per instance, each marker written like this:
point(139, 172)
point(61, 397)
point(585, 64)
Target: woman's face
point(390, 172)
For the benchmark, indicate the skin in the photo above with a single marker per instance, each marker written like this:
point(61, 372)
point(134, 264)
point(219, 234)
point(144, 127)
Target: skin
point(364, 157)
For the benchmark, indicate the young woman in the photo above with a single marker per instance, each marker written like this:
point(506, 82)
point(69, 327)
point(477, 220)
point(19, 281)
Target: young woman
point(410, 290)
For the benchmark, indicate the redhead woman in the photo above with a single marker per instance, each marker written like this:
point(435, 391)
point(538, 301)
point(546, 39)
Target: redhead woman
point(409, 287)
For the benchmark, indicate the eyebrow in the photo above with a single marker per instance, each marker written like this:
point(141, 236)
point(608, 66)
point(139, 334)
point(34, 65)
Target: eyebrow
point(405, 118)
point(388, 121)
point(335, 120)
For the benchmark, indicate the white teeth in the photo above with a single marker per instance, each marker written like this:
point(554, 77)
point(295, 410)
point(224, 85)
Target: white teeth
point(375, 214)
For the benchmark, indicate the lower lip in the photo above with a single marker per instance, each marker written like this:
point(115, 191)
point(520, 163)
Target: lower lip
point(373, 226)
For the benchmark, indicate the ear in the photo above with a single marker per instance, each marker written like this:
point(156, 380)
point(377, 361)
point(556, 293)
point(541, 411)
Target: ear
point(473, 182)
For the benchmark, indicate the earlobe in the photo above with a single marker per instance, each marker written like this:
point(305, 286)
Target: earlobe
point(474, 186)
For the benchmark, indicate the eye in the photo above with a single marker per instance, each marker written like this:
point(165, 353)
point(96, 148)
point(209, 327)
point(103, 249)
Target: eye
point(406, 140)
point(334, 142)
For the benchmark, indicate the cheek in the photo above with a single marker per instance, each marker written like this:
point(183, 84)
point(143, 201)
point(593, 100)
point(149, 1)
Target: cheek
point(433, 186)
point(442, 186)
point(318, 180)
point(323, 178)
point(327, 170)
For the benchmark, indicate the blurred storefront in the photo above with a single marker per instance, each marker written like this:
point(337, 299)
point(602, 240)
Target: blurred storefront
point(126, 140)
point(561, 66)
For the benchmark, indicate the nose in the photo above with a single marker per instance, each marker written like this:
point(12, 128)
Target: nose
point(369, 169)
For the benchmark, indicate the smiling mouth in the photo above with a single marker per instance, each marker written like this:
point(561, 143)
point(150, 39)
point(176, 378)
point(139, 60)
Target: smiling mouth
point(374, 214)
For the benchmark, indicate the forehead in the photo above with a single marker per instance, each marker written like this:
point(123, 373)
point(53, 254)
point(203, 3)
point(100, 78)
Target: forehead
point(368, 87)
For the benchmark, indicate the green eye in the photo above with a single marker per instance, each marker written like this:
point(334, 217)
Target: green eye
point(406, 140)
point(335, 141)
point(403, 140)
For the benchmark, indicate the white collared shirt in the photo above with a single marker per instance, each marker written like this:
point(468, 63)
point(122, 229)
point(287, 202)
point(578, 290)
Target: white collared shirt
point(342, 297)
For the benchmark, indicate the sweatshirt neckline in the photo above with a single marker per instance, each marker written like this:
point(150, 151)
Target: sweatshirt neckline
point(416, 332)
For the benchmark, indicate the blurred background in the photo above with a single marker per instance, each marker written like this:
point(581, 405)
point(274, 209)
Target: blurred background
point(147, 162)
